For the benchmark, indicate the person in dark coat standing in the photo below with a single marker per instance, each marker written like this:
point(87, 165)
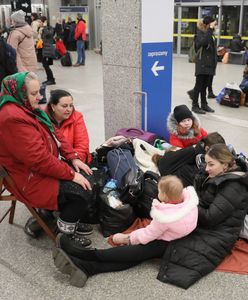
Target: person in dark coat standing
point(223, 203)
point(205, 62)
point(48, 52)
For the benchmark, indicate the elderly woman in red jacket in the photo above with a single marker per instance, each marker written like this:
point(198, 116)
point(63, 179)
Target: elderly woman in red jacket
point(71, 123)
point(30, 149)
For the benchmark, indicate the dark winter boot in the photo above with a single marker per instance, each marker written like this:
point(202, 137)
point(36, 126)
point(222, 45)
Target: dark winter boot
point(67, 265)
point(196, 109)
point(73, 240)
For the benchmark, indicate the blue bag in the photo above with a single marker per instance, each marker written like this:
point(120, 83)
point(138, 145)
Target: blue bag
point(220, 95)
point(122, 167)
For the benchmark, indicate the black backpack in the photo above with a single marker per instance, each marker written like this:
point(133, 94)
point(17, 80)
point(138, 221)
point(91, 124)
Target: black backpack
point(66, 60)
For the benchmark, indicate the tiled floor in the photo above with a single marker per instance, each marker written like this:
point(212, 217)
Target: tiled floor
point(26, 266)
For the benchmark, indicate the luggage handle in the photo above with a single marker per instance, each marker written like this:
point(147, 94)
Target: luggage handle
point(140, 131)
point(145, 107)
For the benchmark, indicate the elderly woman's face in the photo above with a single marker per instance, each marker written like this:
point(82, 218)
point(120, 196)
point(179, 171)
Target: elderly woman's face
point(33, 93)
point(63, 109)
point(214, 167)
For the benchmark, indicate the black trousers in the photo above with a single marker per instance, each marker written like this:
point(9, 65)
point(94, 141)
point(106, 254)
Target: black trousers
point(119, 258)
point(46, 62)
point(72, 202)
point(200, 88)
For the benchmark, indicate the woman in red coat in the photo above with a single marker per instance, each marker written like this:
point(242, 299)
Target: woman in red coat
point(71, 123)
point(30, 149)
point(184, 127)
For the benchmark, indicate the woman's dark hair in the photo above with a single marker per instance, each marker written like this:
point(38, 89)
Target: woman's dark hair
point(55, 96)
point(43, 19)
point(221, 153)
point(212, 139)
point(35, 16)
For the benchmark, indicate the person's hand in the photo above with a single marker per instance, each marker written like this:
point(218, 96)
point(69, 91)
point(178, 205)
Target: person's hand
point(121, 239)
point(78, 164)
point(81, 180)
point(213, 24)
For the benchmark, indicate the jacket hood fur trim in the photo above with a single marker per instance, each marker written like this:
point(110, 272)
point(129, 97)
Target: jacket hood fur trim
point(201, 26)
point(169, 213)
point(172, 126)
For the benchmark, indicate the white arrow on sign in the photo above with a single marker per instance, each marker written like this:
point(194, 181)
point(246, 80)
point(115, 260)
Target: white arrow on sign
point(25, 4)
point(156, 68)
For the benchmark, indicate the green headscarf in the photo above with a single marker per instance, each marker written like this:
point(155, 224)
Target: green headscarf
point(14, 90)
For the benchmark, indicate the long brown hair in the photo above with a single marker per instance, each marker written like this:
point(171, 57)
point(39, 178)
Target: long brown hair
point(221, 153)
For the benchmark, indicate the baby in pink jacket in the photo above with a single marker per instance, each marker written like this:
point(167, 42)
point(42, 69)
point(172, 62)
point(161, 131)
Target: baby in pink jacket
point(173, 217)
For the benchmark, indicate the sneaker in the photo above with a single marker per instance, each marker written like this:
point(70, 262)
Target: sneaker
point(191, 94)
point(65, 265)
point(82, 64)
point(207, 109)
point(198, 110)
point(50, 82)
point(211, 95)
point(84, 229)
point(76, 65)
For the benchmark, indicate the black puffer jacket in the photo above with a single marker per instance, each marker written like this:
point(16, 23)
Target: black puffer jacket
point(222, 209)
point(181, 163)
point(206, 52)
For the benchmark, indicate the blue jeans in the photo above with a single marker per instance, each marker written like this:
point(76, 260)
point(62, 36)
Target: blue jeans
point(80, 52)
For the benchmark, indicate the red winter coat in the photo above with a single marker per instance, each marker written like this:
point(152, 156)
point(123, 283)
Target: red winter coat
point(177, 141)
point(75, 131)
point(29, 152)
point(80, 31)
point(184, 140)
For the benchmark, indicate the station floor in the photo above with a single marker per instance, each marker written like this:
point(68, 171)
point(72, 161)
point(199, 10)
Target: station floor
point(26, 266)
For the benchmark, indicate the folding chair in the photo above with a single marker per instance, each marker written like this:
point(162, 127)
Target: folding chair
point(11, 210)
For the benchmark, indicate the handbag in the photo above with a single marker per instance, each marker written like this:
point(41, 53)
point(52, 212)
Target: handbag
point(137, 133)
point(143, 155)
point(39, 44)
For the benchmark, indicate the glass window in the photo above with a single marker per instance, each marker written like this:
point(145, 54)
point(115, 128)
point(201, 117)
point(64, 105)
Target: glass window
point(188, 27)
point(230, 20)
point(245, 22)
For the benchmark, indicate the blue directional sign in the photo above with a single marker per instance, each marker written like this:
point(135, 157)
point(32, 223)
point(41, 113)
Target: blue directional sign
point(157, 48)
point(156, 82)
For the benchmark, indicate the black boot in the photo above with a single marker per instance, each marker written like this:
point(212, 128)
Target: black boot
point(74, 245)
point(211, 95)
point(207, 108)
point(68, 265)
point(33, 228)
point(196, 109)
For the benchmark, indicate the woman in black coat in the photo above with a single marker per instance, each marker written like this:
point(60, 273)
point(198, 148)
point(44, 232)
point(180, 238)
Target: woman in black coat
point(205, 62)
point(223, 203)
point(48, 51)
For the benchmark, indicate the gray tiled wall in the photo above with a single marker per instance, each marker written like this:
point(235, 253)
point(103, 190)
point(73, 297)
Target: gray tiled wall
point(121, 38)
